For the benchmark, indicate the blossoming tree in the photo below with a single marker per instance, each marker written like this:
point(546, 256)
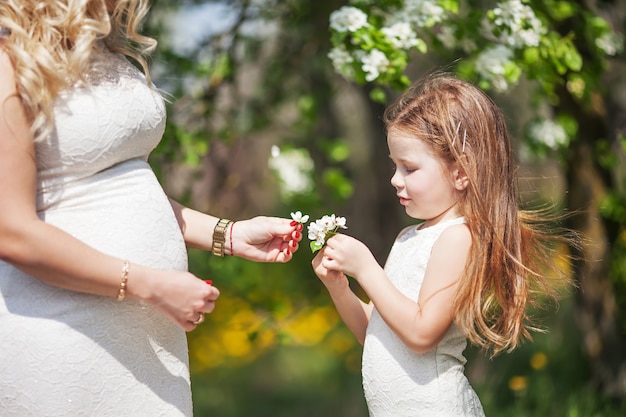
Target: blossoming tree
point(569, 51)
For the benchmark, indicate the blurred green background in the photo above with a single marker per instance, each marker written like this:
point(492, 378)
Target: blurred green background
point(260, 123)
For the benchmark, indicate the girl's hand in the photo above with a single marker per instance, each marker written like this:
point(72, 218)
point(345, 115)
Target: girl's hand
point(265, 239)
point(348, 255)
point(331, 279)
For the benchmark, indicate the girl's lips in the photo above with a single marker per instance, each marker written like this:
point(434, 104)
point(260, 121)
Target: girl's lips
point(403, 201)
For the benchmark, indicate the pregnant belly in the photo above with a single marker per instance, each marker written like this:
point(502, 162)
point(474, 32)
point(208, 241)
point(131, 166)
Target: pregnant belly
point(122, 211)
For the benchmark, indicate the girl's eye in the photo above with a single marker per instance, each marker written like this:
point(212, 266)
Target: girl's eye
point(402, 168)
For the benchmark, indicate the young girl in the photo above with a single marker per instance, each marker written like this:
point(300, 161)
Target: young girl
point(467, 271)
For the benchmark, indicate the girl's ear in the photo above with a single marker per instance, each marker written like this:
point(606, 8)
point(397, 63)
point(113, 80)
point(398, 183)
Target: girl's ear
point(461, 181)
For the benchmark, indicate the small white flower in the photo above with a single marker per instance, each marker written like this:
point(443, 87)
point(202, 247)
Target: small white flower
point(401, 35)
point(294, 168)
point(421, 13)
point(299, 217)
point(549, 133)
point(373, 64)
point(316, 231)
point(610, 43)
point(517, 24)
point(348, 19)
point(323, 228)
point(328, 221)
point(341, 222)
point(341, 60)
point(491, 66)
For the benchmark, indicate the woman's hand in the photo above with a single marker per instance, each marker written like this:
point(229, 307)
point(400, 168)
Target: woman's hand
point(265, 239)
point(180, 295)
point(260, 239)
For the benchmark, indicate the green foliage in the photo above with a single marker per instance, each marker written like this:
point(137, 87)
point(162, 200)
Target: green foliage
point(341, 187)
point(289, 381)
point(548, 377)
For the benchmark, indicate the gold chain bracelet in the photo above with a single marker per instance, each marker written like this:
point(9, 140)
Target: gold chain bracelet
point(121, 294)
point(219, 237)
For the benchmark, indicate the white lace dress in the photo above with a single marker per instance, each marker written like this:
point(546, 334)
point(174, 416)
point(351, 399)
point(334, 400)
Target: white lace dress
point(399, 382)
point(65, 353)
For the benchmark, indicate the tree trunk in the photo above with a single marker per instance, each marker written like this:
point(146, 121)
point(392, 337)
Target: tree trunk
point(597, 312)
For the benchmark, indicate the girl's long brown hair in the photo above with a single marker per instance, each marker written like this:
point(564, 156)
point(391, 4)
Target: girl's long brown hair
point(51, 45)
point(511, 261)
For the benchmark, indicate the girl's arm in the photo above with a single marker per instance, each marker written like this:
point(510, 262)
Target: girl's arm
point(57, 258)
point(352, 310)
point(262, 239)
point(420, 324)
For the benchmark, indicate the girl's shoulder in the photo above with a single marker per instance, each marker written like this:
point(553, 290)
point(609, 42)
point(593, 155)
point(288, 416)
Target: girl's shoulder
point(455, 235)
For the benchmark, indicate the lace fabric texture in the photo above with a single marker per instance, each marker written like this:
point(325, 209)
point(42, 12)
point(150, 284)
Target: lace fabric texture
point(399, 382)
point(70, 354)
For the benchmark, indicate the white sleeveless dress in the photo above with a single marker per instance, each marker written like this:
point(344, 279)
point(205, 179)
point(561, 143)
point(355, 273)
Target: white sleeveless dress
point(399, 382)
point(64, 353)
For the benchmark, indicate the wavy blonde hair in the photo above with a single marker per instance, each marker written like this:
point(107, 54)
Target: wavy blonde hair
point(51, 45)
point(512, 258)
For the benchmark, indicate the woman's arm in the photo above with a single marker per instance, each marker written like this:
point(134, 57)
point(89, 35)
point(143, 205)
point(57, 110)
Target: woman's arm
point(56, 257)
point(420, 324)
point(261, 239)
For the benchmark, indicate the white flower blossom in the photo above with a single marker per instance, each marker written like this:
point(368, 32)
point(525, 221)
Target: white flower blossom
point(491, 66)
point(348, 19)
point(401, 35)
point(447, 37)
point(316, 233)
point(421, 13)
point(322, 229)
point(517, 23)
point(299, 217)
point(549, 133)
point(340, 222)
point(293, 168)
point(341, 60)
point(610, 43)
point(373, 64)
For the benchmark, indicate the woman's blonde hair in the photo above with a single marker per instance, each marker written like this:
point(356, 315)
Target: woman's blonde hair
point(511, 260)
point(51, 45)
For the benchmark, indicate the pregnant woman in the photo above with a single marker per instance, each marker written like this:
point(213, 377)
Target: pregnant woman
point(95, 296)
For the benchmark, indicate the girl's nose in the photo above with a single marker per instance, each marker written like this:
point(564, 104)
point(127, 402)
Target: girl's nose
point(396, 180)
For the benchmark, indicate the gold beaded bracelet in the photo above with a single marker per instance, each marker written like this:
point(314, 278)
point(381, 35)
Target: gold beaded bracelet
point(121, 294)
point(219, 237)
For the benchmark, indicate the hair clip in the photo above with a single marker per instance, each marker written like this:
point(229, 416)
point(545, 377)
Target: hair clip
point(458, 126)
point(4, 32)
point(464, 138)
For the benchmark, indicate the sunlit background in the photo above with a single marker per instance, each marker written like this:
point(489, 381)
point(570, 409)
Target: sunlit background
point(274, 107)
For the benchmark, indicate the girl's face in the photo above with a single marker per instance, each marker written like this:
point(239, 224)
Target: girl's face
point(427, 188)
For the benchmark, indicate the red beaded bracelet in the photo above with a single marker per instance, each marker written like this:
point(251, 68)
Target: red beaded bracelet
point(232, 226)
